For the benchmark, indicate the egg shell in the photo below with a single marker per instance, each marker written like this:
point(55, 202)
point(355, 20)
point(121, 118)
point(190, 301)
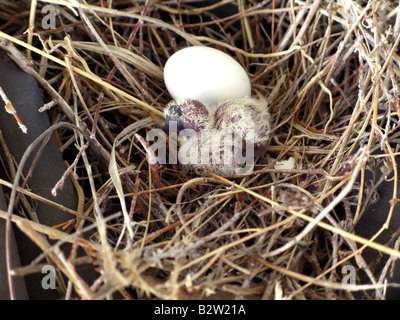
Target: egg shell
point(205, 74)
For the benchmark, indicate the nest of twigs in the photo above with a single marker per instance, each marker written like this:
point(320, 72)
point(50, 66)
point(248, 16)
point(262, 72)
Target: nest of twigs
point(330, 72)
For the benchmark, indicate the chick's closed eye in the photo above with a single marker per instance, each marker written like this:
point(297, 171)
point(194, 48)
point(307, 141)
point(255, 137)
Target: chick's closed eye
point(188, 114)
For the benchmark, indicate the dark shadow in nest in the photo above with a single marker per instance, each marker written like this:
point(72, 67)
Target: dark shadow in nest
point(378, 193)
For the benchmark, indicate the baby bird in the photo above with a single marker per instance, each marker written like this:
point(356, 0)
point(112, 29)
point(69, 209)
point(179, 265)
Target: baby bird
point(224, 137)
point(249, 117)
point(187, 114)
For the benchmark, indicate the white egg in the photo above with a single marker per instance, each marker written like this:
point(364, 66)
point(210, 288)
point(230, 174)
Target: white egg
point(205, 74)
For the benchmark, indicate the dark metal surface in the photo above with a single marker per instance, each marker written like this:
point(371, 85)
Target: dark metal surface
point(26, 97)
point(372, 221)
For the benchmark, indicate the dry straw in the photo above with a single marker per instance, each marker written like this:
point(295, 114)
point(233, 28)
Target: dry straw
point(329, 70)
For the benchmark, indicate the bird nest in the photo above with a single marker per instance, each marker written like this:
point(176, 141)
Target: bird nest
point(329, 71)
